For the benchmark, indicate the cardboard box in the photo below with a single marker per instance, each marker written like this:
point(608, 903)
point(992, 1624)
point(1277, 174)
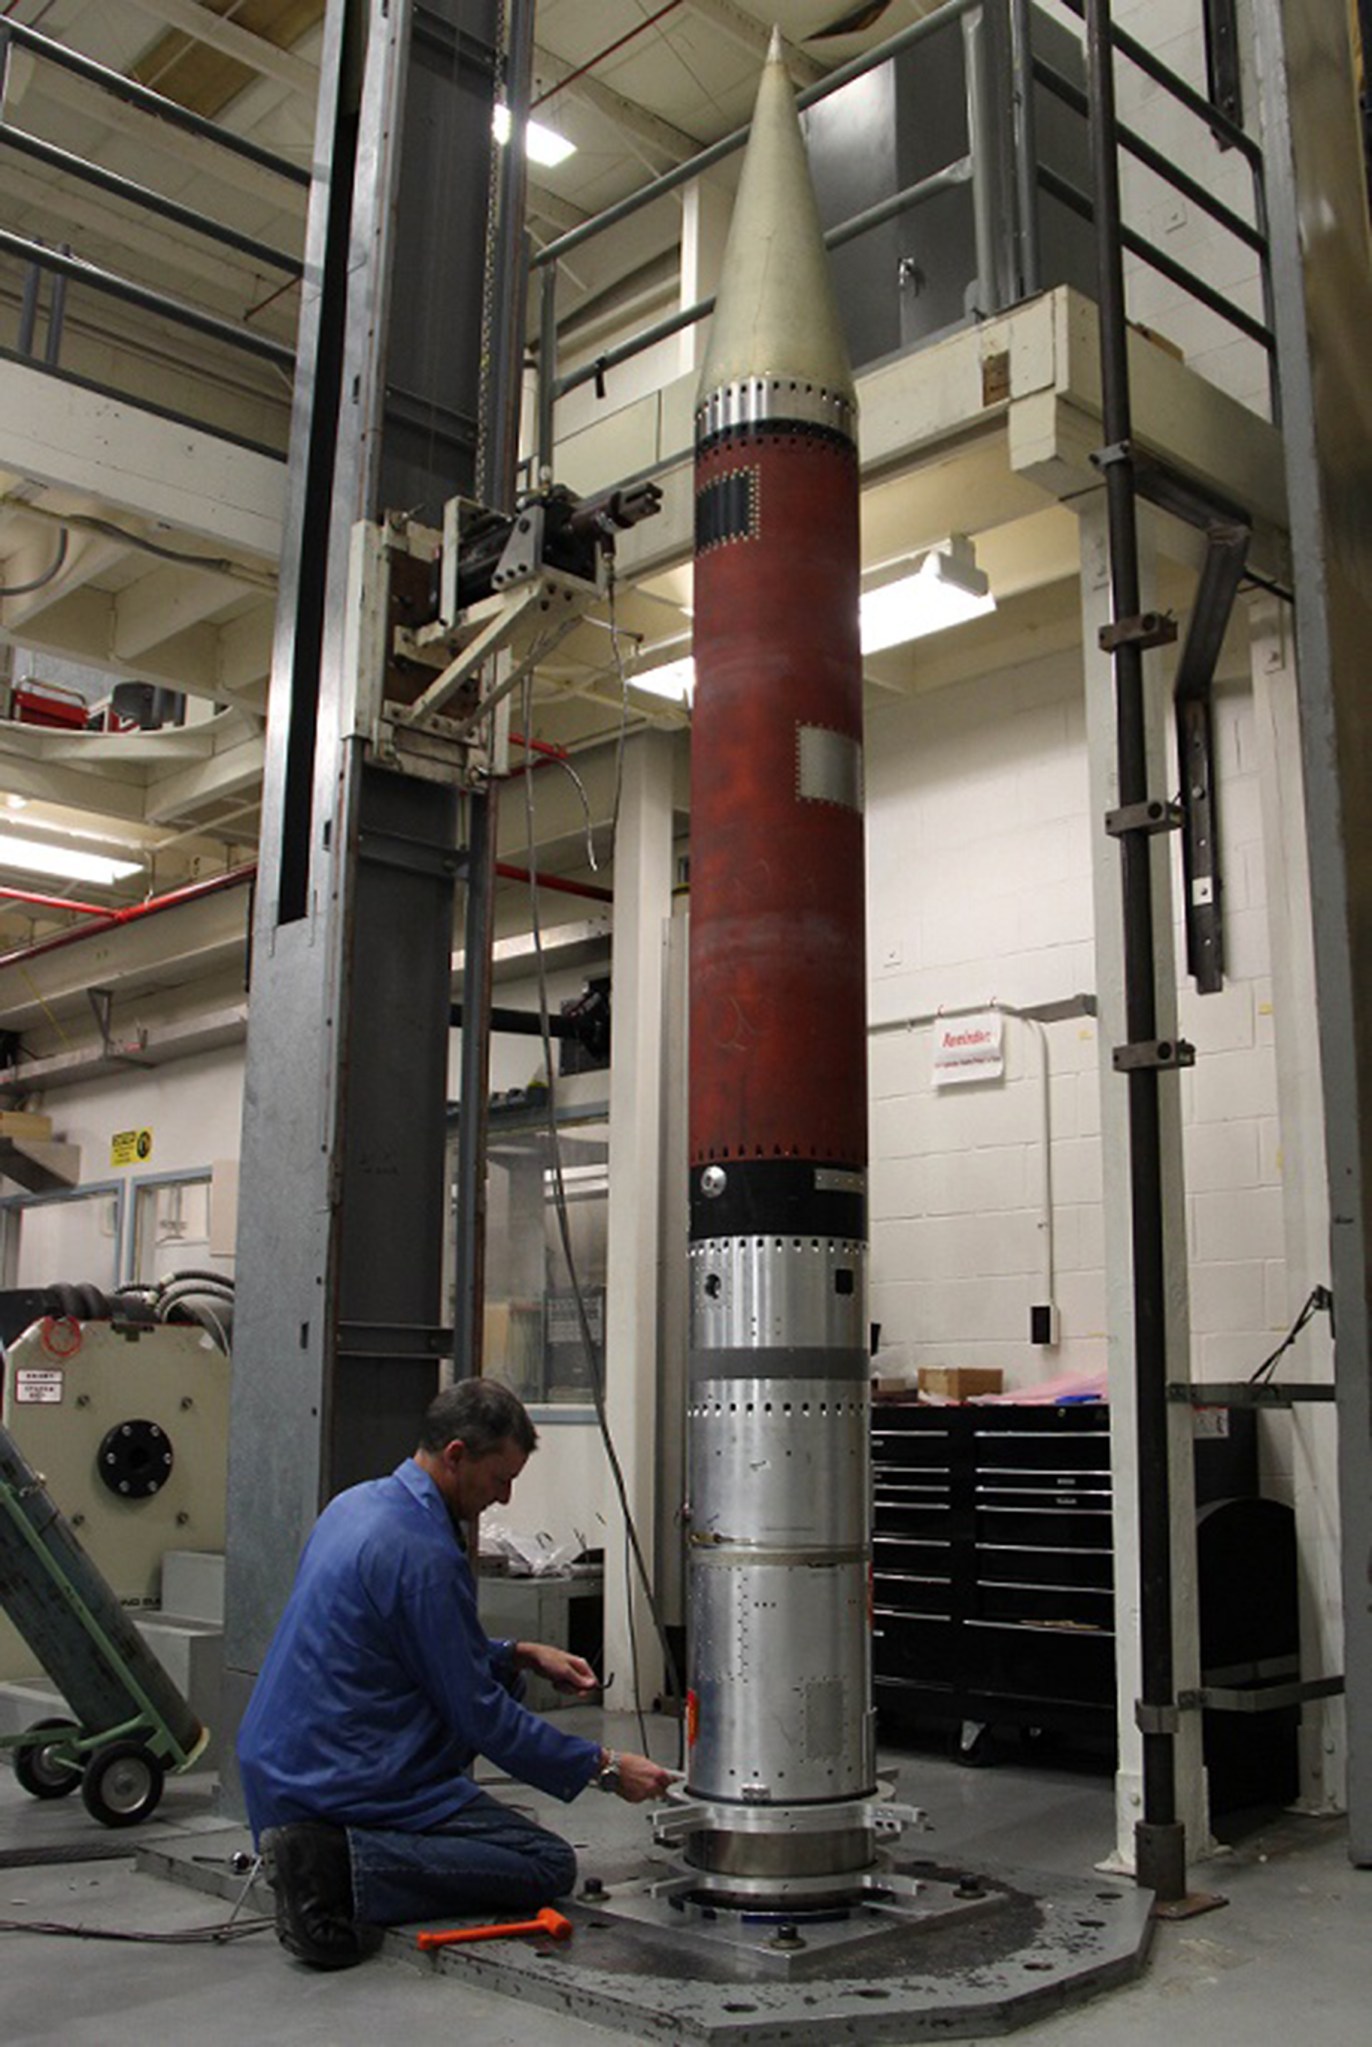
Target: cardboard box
point(960, 1382)
point(24, 1123)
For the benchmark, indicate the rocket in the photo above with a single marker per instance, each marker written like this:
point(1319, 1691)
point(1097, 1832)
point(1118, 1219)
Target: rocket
point(780, 1731)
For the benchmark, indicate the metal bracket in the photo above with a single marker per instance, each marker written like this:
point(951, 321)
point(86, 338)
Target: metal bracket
point(1159, 1719)
point(409, 855)
point(1270, 1698)
point(394, 1340)
point(1223, 74)
point(1152, 816)
point(1144, 629)
point(540, 612)
point(1157, 1054)
point(101, 1001)
point(1246, 1393)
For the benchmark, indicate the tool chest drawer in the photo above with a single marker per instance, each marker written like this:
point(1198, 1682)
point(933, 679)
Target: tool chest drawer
point(993, 1572)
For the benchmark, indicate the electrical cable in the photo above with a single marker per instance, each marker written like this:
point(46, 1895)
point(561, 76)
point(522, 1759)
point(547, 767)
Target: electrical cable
point(217, 1935)
point(1318, 1300)
point(48, 575)
point(109, 529)
point(580, 788)
point(595, 1362)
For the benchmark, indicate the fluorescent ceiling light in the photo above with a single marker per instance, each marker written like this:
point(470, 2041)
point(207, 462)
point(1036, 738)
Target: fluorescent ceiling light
point(543, 145)
point(675, 680)
point(33, 856)
point(947, 589)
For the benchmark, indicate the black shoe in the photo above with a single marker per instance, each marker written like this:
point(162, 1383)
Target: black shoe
point(310, 1872)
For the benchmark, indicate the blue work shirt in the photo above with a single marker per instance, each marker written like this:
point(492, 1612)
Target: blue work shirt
point(380, 1685)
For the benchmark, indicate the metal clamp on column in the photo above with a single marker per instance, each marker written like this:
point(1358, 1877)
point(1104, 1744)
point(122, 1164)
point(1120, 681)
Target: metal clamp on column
point(1153, 816)
point(1143, 629)
point(1157, 1719)
point(1159, 1054)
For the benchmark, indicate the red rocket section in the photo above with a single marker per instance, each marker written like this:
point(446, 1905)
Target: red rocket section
point(778, 997)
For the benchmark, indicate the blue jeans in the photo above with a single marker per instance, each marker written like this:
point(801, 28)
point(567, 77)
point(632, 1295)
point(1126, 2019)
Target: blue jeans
point(486, 1858)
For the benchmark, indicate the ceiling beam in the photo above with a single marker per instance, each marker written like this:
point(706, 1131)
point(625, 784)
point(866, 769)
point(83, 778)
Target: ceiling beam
point(164, 602)
point(85, 556)
point(218, 279)
point(258, 55)
point(633, 120)
point(732, 21)
point(105, 117)
point(234, 769)
point(186, 480)
point(42, 781)
point(550, 207)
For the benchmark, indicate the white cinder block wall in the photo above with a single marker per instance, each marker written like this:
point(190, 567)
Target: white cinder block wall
point(979, 890)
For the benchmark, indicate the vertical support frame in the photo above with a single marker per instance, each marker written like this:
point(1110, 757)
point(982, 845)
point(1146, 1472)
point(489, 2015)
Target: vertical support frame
point(1315, 185)
point(340, 1335)
point(1026, 149)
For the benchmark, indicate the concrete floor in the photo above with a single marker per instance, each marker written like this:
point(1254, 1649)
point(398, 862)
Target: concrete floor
point(1288, 1960)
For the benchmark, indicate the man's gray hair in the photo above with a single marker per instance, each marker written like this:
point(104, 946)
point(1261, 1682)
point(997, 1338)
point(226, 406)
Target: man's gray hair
point(481, 1413)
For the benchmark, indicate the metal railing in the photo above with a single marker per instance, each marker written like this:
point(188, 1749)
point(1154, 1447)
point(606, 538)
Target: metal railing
point(1252, 234)
point(65, 266)
point(1001, 278)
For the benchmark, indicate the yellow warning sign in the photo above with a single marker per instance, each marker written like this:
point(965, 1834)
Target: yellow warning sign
point(130, 1147)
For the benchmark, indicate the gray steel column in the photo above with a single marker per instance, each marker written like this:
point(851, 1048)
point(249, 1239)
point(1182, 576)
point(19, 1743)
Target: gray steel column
point(497, 462)
point(340, 1329)
point(1317, 209)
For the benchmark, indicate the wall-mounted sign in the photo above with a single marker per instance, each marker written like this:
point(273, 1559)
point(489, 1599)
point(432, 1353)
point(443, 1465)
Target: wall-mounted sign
point(130, 1147)
point(969, 1048)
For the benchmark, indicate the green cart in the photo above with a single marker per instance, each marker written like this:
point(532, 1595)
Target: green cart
point(130, 1724)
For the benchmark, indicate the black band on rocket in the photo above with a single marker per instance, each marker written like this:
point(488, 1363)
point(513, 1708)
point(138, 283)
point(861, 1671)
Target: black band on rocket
point(777, 1197)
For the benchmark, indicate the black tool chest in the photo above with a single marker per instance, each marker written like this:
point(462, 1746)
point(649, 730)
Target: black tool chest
point(993, 1582)
point(993, 1597)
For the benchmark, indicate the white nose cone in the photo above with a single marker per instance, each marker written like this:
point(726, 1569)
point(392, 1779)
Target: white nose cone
point(775, 311)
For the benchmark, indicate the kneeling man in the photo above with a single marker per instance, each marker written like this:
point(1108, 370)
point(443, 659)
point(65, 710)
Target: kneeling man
point(379, 1689)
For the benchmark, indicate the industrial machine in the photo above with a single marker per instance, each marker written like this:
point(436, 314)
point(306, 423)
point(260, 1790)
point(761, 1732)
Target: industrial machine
point(449, 623)
point(125, 1412)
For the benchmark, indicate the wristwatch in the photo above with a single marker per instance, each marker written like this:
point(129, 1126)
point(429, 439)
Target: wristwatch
point(607, 1777)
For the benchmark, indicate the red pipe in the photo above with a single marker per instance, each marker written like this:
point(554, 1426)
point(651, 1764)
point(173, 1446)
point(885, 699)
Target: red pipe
point(195, 891)
point(28, 895)
point(556, 882)
point(542, 747)
point(109, 920)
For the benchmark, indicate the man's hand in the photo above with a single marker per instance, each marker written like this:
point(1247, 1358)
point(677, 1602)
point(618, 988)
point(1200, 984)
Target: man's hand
point(640, 1778)
point(565, 1672)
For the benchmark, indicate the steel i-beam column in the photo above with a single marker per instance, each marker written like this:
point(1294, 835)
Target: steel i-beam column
point(780, 1729)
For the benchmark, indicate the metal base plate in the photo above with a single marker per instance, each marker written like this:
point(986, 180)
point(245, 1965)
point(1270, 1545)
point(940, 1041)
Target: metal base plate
point(1045, 1941)
point(789, 1943)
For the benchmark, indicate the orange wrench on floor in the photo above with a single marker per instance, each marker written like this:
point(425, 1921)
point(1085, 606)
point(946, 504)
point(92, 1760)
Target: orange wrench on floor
point(548, 1921)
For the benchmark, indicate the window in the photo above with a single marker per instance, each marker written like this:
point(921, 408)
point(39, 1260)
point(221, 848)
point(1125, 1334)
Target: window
point(533, 1336)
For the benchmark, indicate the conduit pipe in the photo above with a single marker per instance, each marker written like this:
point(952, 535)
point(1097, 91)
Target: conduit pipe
point(557, 883)
point(109, 920)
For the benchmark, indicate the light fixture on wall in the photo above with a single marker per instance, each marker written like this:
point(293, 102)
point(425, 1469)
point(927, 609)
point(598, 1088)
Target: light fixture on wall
point(542, 145)
point(23, 855)
point(946, 589)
